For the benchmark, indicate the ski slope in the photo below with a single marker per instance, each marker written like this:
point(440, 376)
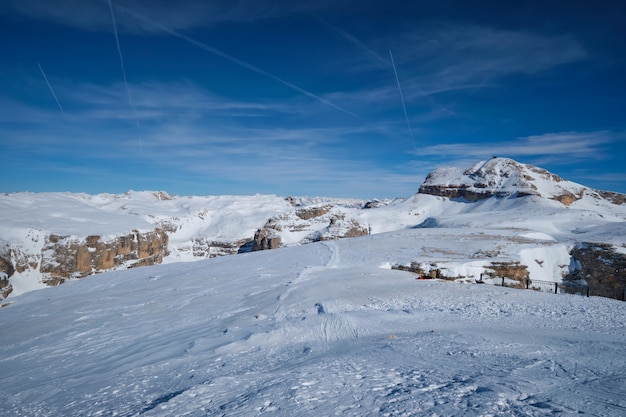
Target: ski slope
point(315, 330)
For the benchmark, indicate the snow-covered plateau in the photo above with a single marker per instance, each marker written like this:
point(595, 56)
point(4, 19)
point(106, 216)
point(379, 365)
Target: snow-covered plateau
point(327, 324)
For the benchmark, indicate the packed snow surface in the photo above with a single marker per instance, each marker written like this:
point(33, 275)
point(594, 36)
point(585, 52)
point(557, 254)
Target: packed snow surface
point(316, 330)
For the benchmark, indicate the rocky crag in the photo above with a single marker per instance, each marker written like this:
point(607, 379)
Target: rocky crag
point(599, 265)
point(66, 257)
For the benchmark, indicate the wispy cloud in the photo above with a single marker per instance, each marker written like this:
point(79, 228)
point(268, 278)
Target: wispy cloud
point(464, 57)
point(193, 134)
point(180, 15)
point(564, 146)
point(235, 60)
point(459, 60)
point(153, 99)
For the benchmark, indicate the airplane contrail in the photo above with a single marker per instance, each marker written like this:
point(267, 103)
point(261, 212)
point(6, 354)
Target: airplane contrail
point(406, 116)
point(50, 87)
point(119, 51)
point(234, 60)
point(356, 42)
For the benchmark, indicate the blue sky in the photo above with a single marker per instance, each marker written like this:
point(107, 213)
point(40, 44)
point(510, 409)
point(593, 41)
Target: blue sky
point(301, 98)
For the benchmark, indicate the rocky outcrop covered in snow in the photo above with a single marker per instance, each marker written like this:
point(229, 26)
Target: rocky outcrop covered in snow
point(204, 247)
point(306, 225)
point(503, 178)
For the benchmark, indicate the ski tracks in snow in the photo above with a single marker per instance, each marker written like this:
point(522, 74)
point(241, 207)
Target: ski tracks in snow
point(307, 272)
point(332, 263)
point(308, 315)
point(335, 259)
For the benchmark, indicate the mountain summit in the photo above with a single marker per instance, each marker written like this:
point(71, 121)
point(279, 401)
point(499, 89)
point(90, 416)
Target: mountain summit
point(506, 178)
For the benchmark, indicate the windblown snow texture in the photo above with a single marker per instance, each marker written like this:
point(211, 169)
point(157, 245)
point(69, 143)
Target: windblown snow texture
point(312, 330)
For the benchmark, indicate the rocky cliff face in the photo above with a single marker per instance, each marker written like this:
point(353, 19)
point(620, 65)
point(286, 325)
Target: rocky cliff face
point(64, 257)
point(598, 265)
point(67, 257)
point(12, 260)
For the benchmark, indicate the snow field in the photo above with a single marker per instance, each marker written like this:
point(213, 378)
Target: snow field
point(313, 330)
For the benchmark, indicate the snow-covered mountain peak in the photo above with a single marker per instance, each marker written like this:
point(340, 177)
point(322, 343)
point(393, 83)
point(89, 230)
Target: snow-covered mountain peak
point(503, 178)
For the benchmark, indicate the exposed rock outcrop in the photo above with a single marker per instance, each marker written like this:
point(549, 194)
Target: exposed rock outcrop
point(209, 248)
point(5, 288)
point(312, 212)
point(6, 271)
point(513, 270)
point(69, 257)
point(615, 198)
point(598, 265)
point(266, 238)
point(6, 267)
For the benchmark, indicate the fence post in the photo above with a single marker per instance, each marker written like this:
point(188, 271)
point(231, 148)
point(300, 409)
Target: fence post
point(503, 281)
point(587, 290)
point(527, 283)
point(556, 288)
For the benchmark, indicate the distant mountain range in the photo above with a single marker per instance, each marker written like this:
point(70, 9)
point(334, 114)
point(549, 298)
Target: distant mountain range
point(497, 218)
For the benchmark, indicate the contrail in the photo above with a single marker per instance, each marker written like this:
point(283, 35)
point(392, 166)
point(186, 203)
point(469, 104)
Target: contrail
point(119, 51)
point(234, 60)
point(356, 42)
point(50, 87)
point(406, 116)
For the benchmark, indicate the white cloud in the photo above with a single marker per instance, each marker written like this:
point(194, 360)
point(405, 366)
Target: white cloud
point(178, 15)
point(440, 58)
point(564, 146)
point(434, 59)
point(182, 130)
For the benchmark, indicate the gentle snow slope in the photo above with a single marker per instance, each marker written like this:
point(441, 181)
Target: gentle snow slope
point(312, 330)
